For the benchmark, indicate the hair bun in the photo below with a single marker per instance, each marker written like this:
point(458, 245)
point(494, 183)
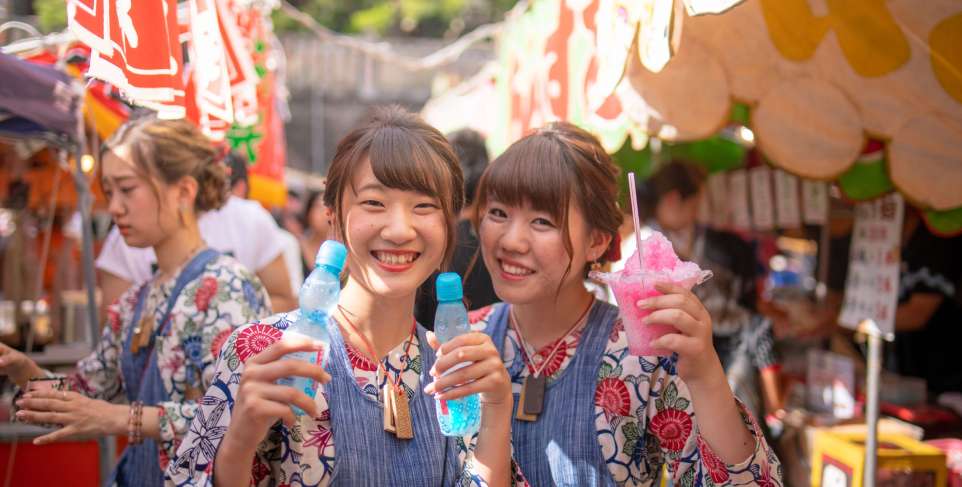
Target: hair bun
point(212, 190)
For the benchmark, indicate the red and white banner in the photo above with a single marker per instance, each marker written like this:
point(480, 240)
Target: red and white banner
point(135, 47)
point(240, 63)
point(209, 76)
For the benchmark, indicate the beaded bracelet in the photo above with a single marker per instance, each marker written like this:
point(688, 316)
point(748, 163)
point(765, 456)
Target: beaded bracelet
point(135, 423)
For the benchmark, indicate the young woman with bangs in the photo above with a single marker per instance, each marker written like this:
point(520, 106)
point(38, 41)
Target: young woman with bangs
point(394, 188)
point(585, 411)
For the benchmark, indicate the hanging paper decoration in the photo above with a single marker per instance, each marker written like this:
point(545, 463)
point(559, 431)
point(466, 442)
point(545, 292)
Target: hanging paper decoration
point(210, 81)
point(263, 141)
point(814, 202)
point(135, 47)
point(738, 187)
point(786, 200)
point(763, 204)
point(720, 200)
point(240, 63)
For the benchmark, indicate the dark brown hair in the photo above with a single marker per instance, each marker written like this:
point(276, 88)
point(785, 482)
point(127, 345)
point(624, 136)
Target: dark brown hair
point(167, 150)
point(548, 168)
point(678, 175)
point(406, 154)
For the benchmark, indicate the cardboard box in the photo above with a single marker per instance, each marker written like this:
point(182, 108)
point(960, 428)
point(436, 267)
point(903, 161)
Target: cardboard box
point(838, 460)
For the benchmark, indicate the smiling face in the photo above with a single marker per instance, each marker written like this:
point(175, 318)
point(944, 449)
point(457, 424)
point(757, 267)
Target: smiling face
point(546, 209)
point(143, 216)
point(526, 254)
point(396, 238)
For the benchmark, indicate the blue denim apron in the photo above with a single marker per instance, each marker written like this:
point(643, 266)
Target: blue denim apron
point(561, 446)
point(140, 465)
point(365, 454)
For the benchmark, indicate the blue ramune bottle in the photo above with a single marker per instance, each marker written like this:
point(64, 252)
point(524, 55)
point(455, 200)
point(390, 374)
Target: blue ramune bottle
point(318, 299)
point(458, 417)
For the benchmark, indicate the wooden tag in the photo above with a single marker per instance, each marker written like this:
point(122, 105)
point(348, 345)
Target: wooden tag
point(388, 394)
point(531, 402)
point(402, 415)
point(142, 337)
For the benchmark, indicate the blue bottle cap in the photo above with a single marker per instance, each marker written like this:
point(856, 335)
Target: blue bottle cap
point(448, 287)
point(332, 254)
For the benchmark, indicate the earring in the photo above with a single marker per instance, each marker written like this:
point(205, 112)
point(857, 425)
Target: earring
point(596, 266)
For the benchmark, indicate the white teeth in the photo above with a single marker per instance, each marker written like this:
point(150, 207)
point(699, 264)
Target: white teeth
point(515, 270)
point(395, 259)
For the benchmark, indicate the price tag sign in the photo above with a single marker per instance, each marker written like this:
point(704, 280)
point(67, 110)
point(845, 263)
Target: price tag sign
point(872, 284)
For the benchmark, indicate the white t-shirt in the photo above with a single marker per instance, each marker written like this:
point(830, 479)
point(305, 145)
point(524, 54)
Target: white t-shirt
point(241, 228)
point(292, 259)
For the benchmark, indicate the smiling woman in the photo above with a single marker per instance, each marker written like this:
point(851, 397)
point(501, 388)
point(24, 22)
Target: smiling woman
point(162, 337)
point(394, 188)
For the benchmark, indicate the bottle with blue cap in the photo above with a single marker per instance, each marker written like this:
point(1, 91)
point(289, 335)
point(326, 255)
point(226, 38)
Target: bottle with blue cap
point(318, 299)
point(458, 417)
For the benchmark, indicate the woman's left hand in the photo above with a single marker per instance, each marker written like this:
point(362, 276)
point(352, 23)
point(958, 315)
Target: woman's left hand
point(78, 416)
point(485, 373)
point(681, 309)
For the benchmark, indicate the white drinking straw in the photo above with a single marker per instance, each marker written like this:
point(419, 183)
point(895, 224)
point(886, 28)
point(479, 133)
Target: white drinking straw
point(634, 215)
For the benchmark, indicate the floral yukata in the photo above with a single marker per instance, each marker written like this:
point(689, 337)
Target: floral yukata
point(643, 415)
point(305, 453)
point(204, 315)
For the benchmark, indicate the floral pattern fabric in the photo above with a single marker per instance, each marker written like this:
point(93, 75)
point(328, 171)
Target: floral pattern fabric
point(225, 295)
point(304, 453)
point(643, 415)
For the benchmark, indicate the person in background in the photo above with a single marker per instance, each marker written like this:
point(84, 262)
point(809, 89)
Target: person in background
point(742, 336)
point(479, 292)
point(316, 221)
point(161, 339)
point(241, 228)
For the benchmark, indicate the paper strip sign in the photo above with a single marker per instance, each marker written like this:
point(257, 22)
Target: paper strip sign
point(814, 202)
point(763, 212)
point(786, 200)
point(738, 192)
point(720, 208)
point(872, 284)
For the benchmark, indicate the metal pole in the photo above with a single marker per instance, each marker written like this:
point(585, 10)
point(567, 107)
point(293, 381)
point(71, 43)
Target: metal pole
point(873, 372)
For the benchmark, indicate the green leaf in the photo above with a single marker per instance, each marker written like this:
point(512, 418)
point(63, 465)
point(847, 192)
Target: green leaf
point(670, 394)
point(416, 364)
point(632, 435)
point(688, 478)
point(605, 370)
point(233, 362)
point(682, 403)
point(660, 404)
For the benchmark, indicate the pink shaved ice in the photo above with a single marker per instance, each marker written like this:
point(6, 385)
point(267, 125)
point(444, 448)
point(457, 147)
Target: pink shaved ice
point(637, 282)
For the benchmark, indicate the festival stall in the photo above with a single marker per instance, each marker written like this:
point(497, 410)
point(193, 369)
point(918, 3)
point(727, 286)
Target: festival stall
point(214, 62)
point(41, 132)
point(786, 102)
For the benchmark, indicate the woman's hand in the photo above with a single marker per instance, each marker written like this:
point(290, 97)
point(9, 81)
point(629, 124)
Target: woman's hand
point(17, 366)
point(261, 401)
point(678, 307)
point(78, 416)
point(485, 373)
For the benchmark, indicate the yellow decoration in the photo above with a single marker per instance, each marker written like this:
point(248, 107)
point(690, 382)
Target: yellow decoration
point(869, 36)
point(945, 43)
point(838, 457)
point(270, 192)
